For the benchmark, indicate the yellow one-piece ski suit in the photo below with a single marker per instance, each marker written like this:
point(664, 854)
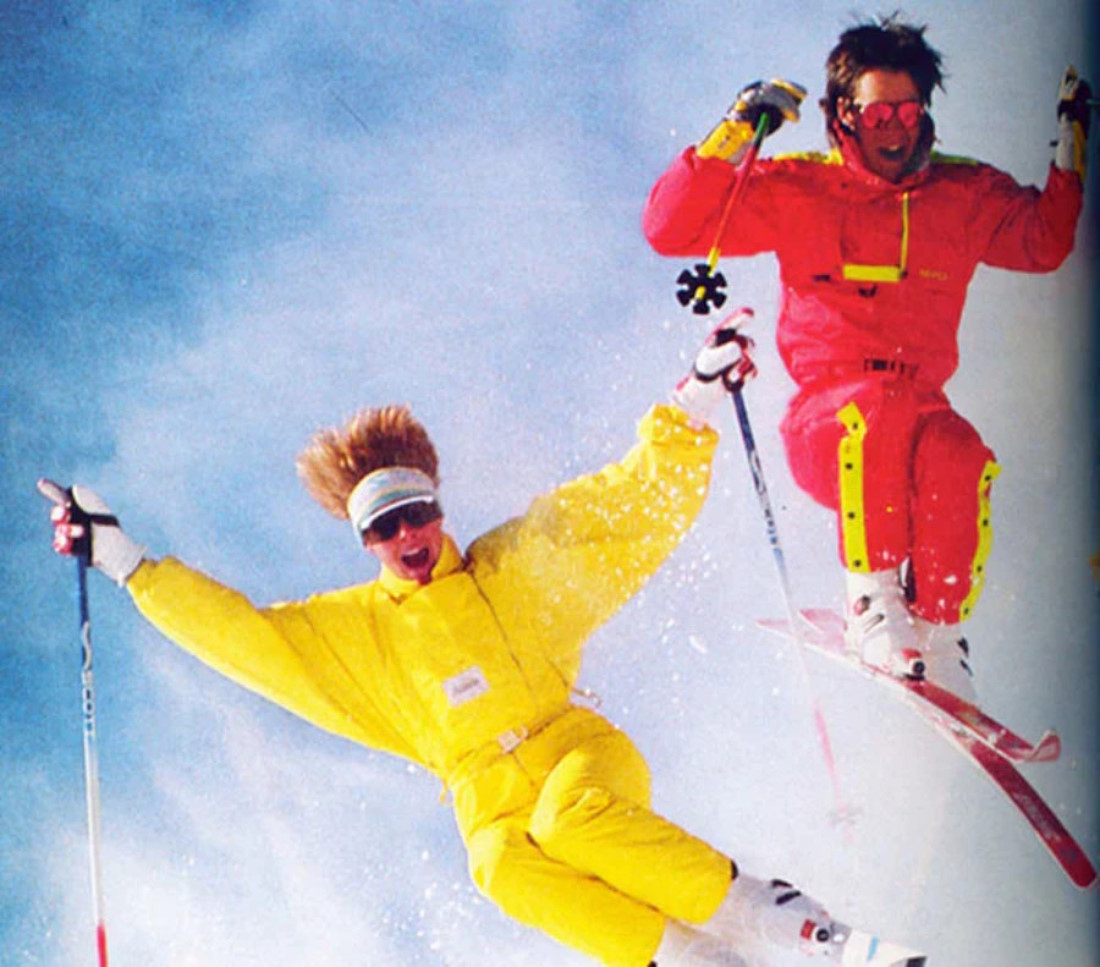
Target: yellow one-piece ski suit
point(471, 675)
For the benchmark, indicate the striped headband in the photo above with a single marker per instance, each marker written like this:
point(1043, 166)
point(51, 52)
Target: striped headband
point(385, 489)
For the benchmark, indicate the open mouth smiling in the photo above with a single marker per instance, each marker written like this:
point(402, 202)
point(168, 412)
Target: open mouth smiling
point(416, 559)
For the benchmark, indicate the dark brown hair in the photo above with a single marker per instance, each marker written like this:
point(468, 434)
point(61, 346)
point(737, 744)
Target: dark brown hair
point(887, 43)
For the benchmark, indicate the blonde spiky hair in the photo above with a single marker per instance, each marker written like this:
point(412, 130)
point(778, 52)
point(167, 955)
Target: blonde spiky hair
point(337, 458)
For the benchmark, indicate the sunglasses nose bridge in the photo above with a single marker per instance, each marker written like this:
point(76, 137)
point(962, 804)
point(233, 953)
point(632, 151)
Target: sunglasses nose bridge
point(396, 528)
point(404, 520)
point(883, 114)
point(878, 115)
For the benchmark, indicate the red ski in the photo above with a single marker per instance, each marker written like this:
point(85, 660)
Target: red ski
point(990, 746)
point(1048, 827)
point(823, 631)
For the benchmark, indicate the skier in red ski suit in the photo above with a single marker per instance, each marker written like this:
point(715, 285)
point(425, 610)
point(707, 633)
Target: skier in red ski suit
point(877, 242)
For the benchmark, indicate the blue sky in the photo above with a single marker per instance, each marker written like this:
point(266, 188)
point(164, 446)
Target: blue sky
point(230, 224)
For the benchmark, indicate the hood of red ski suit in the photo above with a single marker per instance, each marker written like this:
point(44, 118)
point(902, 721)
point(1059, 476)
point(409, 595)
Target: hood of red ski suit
point(449, 673)
point(874, 273)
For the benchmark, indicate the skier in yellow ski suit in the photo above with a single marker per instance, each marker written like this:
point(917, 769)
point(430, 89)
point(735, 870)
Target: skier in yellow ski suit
point(465, 665)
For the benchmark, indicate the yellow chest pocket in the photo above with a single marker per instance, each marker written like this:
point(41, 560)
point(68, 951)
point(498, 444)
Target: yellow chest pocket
point(464, 687)
point(876, 244)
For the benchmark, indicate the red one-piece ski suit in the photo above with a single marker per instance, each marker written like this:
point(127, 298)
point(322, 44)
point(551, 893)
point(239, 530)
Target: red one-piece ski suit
point(874, 276)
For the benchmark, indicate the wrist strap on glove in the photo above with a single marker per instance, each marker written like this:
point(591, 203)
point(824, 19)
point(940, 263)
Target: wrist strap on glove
point(82, 545)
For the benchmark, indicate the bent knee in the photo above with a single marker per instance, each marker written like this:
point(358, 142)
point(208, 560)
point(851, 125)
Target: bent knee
point(592, 784)
point(575, 807)
point(948, 440)
point(496, 854)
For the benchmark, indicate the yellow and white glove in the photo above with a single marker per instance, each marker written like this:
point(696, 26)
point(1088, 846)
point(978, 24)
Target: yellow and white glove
point(1074, 112)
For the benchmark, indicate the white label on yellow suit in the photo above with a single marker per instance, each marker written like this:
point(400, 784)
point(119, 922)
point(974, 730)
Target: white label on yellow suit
point(466, 686)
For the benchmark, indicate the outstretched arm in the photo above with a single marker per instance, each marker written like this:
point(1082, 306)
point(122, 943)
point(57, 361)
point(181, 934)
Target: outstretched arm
point(1027, 230)
point(582, 550)
point(280, 652)
point(213, 622)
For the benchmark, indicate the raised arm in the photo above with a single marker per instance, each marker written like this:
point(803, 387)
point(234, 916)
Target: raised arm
point(1033, 231)
point(582, 550)
point(284, 653)
point(684, 209)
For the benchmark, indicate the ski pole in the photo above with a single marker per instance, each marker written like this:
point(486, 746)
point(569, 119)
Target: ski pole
point(82, 553)
point(842, 811)
point(91, 760)
point(738, 189)
point(707, 284)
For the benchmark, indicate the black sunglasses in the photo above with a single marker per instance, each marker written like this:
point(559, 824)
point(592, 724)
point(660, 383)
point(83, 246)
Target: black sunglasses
point(415, 515)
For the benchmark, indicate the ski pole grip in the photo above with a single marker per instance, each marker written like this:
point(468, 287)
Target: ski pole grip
point(54, 492)
point(77, 516)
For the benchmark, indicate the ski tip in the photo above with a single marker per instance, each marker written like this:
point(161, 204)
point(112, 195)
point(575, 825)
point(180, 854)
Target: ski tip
point(1048, 748)
point(777, 626)
point(1084, 878)
point(824, 619)
point(820, 637)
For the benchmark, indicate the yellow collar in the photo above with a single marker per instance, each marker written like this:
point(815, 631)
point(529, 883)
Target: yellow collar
point(450, 561)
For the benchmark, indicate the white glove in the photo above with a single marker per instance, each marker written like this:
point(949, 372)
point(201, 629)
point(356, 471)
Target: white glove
point(83, 526)
point(778, 99)
point(721, 367)
point(1074, 113)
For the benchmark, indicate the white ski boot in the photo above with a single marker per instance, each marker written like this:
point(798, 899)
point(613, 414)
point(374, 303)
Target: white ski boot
point(760, 918)
point(878, 625)
point(774, 911)
point(946, 656)
point(684, 946)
